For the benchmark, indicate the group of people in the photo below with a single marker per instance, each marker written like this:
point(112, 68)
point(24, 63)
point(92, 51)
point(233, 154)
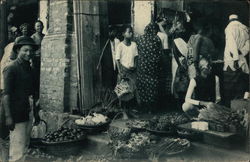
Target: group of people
point(143, 60)
point(20, 83)
point(136, 60)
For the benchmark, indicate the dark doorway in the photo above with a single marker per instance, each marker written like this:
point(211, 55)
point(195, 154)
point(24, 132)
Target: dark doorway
point(119, 12)
point(26, 14)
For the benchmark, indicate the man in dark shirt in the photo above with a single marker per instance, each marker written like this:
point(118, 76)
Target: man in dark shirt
point(18, 91)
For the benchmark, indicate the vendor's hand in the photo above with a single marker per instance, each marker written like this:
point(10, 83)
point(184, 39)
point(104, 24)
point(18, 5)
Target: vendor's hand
point(206, 104)
point(10, 123)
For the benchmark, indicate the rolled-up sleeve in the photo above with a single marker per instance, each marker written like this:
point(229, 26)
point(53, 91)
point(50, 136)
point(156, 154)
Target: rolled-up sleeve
point(9, 78)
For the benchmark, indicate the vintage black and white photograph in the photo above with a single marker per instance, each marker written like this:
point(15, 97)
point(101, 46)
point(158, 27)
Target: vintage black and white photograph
point(124, 81)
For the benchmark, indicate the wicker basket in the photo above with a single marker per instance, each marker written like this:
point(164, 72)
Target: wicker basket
point(118, 133)
point(124, 90)
point(65, 148)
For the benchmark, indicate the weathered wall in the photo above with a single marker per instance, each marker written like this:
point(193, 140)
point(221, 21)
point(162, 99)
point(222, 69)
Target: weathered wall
point(43, 14)
point(58, 71)
point(142, 14)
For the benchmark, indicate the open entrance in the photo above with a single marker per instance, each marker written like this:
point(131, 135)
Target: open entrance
point(19, 13)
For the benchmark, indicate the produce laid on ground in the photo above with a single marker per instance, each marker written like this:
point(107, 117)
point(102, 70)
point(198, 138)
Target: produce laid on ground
point(133, 147)
point(138, 124)
point(144, 144)
point(167, 122)
point(223, 119)
point(92, 120)
point(64, 135)
point(168, 146)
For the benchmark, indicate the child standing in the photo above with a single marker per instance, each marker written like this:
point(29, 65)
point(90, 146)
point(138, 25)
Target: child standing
point(126, 55)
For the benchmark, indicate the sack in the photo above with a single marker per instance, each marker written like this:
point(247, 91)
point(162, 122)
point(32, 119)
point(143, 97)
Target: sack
point(124, 90)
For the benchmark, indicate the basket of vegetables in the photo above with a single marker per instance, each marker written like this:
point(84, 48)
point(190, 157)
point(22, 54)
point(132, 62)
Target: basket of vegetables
point(133, 147)
point(119, 130)
point(223, 119)
point(64, 141)
point(93, 123)
point(166, 124)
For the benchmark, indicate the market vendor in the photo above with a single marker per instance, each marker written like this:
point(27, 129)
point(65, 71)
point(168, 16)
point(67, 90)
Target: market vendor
point(203, 90)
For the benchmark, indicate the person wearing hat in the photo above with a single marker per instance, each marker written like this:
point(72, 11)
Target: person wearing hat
point(17, 95)
point(236, 67)
point(237, 45)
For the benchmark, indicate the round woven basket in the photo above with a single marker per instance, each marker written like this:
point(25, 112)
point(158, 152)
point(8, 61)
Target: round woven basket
point(64, 149)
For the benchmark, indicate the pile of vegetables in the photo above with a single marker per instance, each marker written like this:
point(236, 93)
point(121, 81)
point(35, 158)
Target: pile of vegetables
point(133, 147)
point(168, 146)
point(92, 120)
point(224, 117)
point(139, 124)
point(167, 122)
point(64, 135)
point(144, 144)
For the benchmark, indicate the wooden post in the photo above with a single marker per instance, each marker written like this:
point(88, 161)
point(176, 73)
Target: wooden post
point(89, 16)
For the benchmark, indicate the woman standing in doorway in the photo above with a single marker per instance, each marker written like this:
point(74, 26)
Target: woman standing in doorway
point(148, 70)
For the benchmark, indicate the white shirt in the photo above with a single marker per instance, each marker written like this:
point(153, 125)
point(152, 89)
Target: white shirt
point(127, 54)
point(164, 39)
point(114, 45)
point(192, 86)
point(237, 38)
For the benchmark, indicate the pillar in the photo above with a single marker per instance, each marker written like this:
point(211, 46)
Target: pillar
point(91, 25)
point(58, 84)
